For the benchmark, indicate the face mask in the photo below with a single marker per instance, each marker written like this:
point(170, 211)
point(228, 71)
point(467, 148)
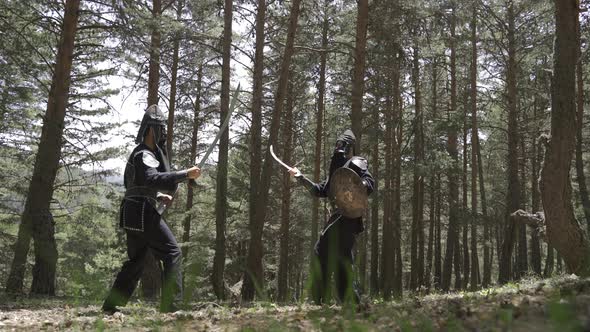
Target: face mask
point(163, 136)
point(341, 147)
point(338, 160)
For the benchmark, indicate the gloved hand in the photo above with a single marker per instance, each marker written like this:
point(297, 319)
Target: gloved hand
point(295, 172)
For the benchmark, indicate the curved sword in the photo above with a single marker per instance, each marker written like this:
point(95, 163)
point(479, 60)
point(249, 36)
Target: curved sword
point(232, 107)
point(282, 163)
point(161, 206)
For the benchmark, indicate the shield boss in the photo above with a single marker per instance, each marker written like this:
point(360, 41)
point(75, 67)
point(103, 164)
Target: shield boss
point(348, 192)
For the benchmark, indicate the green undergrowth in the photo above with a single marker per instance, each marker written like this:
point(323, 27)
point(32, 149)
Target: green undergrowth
point(558, 304)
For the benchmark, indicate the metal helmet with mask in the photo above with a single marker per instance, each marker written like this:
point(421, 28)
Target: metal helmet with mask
point(155, 119)
point(344, 145)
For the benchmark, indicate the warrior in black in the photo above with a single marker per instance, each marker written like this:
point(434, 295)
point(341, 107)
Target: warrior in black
point(334, 249)
point(149, 185)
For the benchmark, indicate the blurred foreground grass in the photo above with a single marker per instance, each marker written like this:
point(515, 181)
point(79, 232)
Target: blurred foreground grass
point(557, 304)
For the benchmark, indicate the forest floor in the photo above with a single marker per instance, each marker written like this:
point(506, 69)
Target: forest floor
point(561, 303)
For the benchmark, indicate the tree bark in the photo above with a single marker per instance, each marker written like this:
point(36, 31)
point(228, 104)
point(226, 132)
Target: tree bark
point(417, 243)
point(522, 255)
point(396, 184)
point(549, 262)
point(513, 191)
point(287, 130)
point(154, 68)
point(465, 220)
point(217, 277)
point(319, 131)
point(452, 234)
point(436, 175)
point(173, 80)
point(358, 76)
point(387, 247)
point(438, 241)
point(374, 277)
point(563, 230)
point(362, 259)
point(358, 87)
point(253, 276)
point(256, 127)
point(37, 220)
point(488, 251)
point(16, 277)
point(190, 194)
point(535, 196)
point(431, 230)
point(474, 147)
point(581, 177)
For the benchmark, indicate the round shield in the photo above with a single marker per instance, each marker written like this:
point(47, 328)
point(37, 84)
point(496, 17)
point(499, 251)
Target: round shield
point(348, 192)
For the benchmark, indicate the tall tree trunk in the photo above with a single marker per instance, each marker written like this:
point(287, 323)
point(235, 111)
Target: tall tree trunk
point(190, 193)
point(358, 76)
point(458, 256)
point(465, 185)
point(16, 277)
point(535, 196)
point(488, 250)
point(474, 149)
point(581, 177)
point(387, 247)
point(452, 234)
point(549, 262)
point(438, 241)
point(497, 228)
point(37, 219)
point(513, 191)
point(253, 276)
point(563, 230)
point(319, 131)
point(431, 234)
point(217, 278)
point(417, 244)
point(154, 68)
point(174, 78)
point(151, 278)
point(256, 127)
point(436, 175)
point(287, 131)
point(374, 276)
point(362, 259)
point(522, 257)
point(396, 183)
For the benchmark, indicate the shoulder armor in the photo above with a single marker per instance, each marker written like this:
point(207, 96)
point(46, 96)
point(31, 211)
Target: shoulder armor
point(358, 162)
point(149, 159)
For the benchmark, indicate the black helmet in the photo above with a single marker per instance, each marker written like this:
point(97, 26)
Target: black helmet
point(345, 142)
point(153, 117)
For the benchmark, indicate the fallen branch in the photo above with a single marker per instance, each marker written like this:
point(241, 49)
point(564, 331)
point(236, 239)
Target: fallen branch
point(534, 220)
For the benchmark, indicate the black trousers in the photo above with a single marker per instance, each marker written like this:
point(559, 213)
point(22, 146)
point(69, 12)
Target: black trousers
point(334, 256)
point(157, 237)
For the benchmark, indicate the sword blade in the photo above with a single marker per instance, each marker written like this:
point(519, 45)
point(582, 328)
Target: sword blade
point(278, 160)
point(161, 207)
point(224, 125)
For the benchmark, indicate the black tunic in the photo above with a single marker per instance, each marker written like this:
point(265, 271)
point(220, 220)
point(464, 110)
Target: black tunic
point(147, 175)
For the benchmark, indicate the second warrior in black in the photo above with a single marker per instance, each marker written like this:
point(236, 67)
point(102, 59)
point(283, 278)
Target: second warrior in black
point(334, 249)
point(149, 185)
